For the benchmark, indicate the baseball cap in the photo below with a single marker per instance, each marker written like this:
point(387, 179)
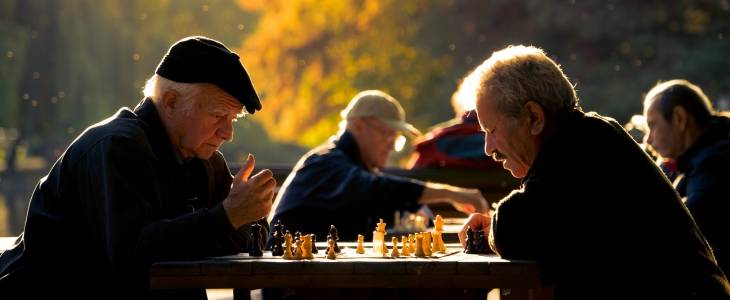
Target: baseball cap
point(375, 103)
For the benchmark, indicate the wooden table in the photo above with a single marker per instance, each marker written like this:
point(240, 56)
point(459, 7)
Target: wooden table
point(455, 270)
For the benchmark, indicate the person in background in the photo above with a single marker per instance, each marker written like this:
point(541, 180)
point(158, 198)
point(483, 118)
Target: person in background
point(457, 143)
point(593, 210)
point(144, 186)
point(340, 183)
point(684, 128)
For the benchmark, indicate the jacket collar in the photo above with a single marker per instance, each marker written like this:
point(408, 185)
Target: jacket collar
point(718, 129)
point(158, 136)
point(348, 145)
point(554, 139)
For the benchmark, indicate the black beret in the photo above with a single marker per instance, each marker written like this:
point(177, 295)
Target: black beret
point(198, 59)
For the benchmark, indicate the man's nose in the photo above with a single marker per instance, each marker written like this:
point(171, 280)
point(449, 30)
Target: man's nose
point(225, 131)
point(488, 145)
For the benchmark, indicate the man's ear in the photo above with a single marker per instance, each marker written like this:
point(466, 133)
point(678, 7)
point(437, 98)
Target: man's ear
point(169, 102)
point(680, 117)
point(536, 117)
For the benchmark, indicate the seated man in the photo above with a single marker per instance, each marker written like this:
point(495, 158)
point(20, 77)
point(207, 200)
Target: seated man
point(684, 128)
point(611, 231)
point(144, 186)
point(339, 183)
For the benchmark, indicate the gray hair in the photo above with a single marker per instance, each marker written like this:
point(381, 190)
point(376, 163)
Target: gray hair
point(518, 74)
point(156, 86)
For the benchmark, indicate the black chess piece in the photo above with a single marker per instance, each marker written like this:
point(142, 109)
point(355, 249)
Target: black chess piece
point(469, 241)
point(277, 249)
point(256, 248)
point(335, 237)
point(480, 242)
point(297, 236)
point(314, 244)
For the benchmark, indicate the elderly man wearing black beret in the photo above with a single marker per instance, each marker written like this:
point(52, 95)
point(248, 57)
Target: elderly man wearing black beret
point(145, 185)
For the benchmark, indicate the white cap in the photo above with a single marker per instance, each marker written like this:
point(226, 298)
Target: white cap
point(375, 103)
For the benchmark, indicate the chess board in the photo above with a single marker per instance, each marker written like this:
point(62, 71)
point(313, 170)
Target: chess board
point(347, 251)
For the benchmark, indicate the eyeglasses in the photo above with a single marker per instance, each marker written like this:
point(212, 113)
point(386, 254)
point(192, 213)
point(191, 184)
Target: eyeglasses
point(399, 140)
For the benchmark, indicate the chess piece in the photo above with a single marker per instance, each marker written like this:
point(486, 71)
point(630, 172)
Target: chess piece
point(278, 239)
point(412, 243)
point(394, 253)
point(331, 249)
point(438, 242)
point(439, 223)
point(481, 242)
point(314, 243)
point(384, 249)
point(360, 249)
point(307, 247)
point(298, 255)
point(255, 248)
point(419, 246)
point(427, 244)
point(405, 250)
point(470, 243)
point(287, 248)
point(335, 237)
point(381, 226)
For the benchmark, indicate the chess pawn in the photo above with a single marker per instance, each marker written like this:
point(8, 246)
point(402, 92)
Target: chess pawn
point(314, 244)
point(395, 253)
point(307, 247)
point(287, 248)
point(427, 244)
point(419, 246)
point(298, 255)
point(405, 242)
point(331, 250)
point(360, 249)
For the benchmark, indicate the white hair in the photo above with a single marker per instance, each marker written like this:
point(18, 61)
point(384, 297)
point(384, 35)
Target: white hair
point(156, 86)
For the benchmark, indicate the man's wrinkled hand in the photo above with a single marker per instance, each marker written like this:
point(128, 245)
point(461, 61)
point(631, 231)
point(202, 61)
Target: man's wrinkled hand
point(249, 198)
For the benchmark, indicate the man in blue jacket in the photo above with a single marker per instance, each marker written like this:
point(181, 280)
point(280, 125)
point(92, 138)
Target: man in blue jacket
point(683, 127)
point(340, 183)
point(144, 186)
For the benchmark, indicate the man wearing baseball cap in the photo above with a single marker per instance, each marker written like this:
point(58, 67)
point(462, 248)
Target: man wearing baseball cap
point(145, 185)
point(339, 183)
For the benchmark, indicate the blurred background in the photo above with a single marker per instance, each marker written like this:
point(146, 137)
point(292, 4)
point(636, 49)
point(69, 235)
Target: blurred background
point(66, 64)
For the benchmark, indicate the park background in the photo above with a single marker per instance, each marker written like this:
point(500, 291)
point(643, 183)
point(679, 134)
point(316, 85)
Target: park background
point(67, 64)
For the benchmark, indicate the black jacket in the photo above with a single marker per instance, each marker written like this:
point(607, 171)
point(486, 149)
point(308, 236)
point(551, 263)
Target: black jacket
point(603, 222)
point(331, 186)
point(705, 182)
point(117, 200)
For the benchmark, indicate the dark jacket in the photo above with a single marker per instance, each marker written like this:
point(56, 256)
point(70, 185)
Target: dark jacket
point(603, 222)
point(705, 181)
point(116, 201)
point(331, 186)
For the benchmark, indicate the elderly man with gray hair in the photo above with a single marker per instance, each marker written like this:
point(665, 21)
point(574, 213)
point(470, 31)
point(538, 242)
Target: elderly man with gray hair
point(145, 185)
point(340, 183)
point(593, 209)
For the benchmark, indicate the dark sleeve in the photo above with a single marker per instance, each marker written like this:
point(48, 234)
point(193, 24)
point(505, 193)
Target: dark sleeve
point(339, 185)
point(122, 196)
point(517, 229)
point(708, 201)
